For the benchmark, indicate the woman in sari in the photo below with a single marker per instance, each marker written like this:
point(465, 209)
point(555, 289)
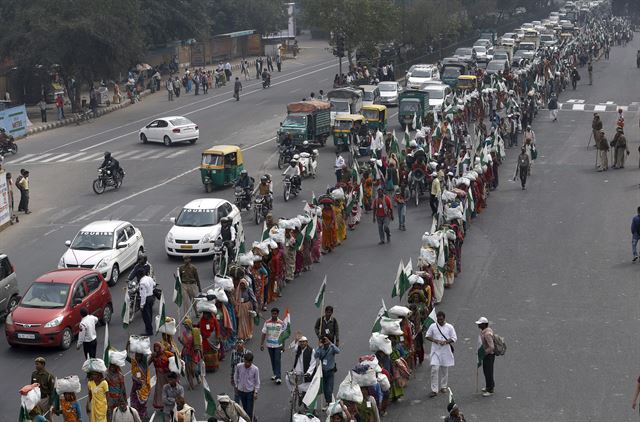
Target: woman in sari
point(97, 403)
point(141, 383)
point(117, 388)
point(259, 276)
point(289, 255)
point(341, 225)
point(160, 360)
point(329, 234)
point(299, 254)
point(367, 190)
point(353, 219)
point(191, 341)
point(245, 302)
point(275, 274)
point(210, 330)
point(169, 344)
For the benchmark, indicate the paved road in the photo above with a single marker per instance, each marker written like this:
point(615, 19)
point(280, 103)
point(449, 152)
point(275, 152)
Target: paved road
point(562, 300)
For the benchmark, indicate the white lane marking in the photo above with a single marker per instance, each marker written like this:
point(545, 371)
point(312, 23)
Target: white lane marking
point(71, 157)
point(229, 99)
point(92, 156)
point(171, 111)
point(175, 154)
point(154, 187)
point(20, 159)
point(36, 158)
point(158, 155)
point(127, 154)
point(63, 212)
point(294, 90)
point(172, 213)
point(609, 102)
point(578, 107)
point(55, 157)
point(145, 153)
point(147, 213)
point(120, 212)
point(600, 108)
point(623, 108)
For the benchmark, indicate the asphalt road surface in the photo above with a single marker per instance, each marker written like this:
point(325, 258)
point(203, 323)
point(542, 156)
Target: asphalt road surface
point(549, 266)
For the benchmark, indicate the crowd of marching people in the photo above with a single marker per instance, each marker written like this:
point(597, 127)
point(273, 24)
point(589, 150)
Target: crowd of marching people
point(453, 157)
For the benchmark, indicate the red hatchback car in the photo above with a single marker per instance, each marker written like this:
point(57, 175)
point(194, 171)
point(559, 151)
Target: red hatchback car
point(49, 312)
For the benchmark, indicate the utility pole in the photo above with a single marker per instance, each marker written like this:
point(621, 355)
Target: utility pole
point(339, 51)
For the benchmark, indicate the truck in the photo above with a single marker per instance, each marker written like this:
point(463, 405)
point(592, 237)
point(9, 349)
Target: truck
point(306, 121)
point(344, 101)
point(412, 103)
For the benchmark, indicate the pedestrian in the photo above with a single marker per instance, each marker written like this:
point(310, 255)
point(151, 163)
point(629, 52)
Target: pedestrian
point(227, 71)
point(160, 359)
point(46, 381)
point(245, 307)
point(258, 68)
point(454, 413)
point(169, 87)
point(329, 226)
point(619, 143)
point(177, 86)
point(271, 331)
point(244, 69)
point(522, 167)
point(326, 354)
point(246, 380)
point(485, 341)
point(210, 331)
point(553, 108)
point(279, 62)
point(443, 336)
point(436, 191)
point(170, 392)
point(635, 235)
point(146, 284)
point(304, 363)
point(228, 410)
point(117, 389)
point(596, 127)
point(190, 282)
point(603, 152)
point(269, 63)
point(125, 413)
point(97, 400)
point(340, 162)
point(87, 336)
point(191, 353)
point(69, 408)
point(327, 326)
point(140, 382)
point(401, 203)
point(22, 182)
point(42, 104)
point(237, 356)
point(60, 106)
point(383, 212)
point(184, 412)
point(590, 70)
point(237, 87)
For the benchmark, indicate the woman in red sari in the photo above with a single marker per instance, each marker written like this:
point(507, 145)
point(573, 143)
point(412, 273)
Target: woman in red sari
point(160, 360)
point(329, 228)
point(210, 332)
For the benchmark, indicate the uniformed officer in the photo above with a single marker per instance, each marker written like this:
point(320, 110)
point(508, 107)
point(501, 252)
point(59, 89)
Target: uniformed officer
point(47, 384)
point(190, 283)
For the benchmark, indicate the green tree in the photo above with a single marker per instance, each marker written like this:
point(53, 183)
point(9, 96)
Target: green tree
point(168, 20)
point(265, 16)
point(88, 40)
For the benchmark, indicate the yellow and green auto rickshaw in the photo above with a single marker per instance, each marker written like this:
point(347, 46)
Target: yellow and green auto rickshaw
point(345, 125)
point(467, 83)
point(221, 166)
point(376, 116)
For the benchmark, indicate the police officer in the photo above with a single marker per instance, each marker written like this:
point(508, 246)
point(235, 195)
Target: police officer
point(47, 383)
point(190, 283)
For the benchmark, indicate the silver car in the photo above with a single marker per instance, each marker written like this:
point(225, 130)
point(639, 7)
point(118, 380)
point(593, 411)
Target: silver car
point(389, 91)
point(8, 286)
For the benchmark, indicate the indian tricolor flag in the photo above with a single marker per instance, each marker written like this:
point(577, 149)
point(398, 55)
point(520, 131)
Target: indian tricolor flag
point(286, 330)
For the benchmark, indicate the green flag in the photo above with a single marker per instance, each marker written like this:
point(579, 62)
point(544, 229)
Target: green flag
point(407, 138)
point(209, 401)
point(107, 347)
point(320, 296)
point(126, 310)
point(430, 319)
point(381, 313)
point(177, 289)
point(257, 318)
point(396, 282)
point(481, 354)
point(162, 313)
point(315, 389)
point(265, 231)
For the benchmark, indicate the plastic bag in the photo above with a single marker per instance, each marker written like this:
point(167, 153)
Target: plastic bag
point(427, 256)
point(364, 375)
point(29, 400)
point(206, 306)
point(70, 384)
point(415, 279)
point(390, 326)
point(430, 240)
point(245, 259)
point(337, 194)
point(225, 283)
point(382, 379)
point(304, 418)
point(118, 358)
point(94, 365)
point(173, 366)
point(220, 295)
point(334, 408)
point(169, 326)
point(350, 390)
point(380, 343)
point(399, 311)
point(451, 213)
point(140, 344)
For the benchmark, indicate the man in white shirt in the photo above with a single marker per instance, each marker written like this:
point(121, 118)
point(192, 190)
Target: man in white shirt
point(87, 337)
point(442, 335)
point(304, 361)
point(125, 413)
point(338, 166)
point(377, 145)
point(293, 171)
point(145, 289)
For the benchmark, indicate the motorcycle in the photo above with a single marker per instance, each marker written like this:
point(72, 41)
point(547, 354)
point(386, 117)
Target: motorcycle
point(290, 187)
point(417, 185)
point(266, 82)
point(309, 163)
point(133, 296)
point(220, 257)
point(9, 146)
point(243, 198)
point(106, 179)
point(286, 153)
point(260, 208)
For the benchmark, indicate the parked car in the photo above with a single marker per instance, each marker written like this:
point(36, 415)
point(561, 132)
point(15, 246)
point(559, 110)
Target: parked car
point(389, 91)
point(421, 74)
point(197, 227)
point(49, 312)
point(108, 246)
point(8, 286)
point(170, 130)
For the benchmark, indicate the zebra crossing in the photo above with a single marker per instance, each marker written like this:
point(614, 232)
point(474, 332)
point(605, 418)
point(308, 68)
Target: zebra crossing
point(604, 107)
point(66, 157)
point(136, 214)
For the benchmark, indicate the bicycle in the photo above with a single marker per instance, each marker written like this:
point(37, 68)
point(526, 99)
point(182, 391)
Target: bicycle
point(293, 381)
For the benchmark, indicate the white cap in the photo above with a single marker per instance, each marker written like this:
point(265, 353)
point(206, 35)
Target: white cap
point(303, 338)
point(482, 320)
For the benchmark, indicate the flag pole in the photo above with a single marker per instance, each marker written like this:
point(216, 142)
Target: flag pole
point(477, 376)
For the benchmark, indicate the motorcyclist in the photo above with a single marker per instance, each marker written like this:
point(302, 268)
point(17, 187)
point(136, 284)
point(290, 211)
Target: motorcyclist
point(293, 171)
point(304, 147)
point(110, 164)
point(143, 263)
point(228, 235)
point(266, 77)
point(5, 140)
point(265, 190)
point(246, 183)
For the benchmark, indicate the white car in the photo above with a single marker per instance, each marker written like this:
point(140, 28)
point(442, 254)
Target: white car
point(169, 130)
point(389, 91)
point(482, 53)
point(108, 246)
point(421, 74)
point(197, 227)
point(437, 94)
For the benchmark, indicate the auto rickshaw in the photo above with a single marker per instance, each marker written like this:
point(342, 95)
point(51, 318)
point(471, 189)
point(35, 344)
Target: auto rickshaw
point(221, 166)
point(467, 83)
point(376, 116)
point(344, 127)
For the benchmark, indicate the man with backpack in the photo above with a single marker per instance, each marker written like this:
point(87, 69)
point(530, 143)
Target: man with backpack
point(523, 167)
point(382, 213)
point(489, 346)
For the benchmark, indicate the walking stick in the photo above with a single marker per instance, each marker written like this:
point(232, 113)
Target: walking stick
point(477, 376)
point(589, 143)
point(597, 158)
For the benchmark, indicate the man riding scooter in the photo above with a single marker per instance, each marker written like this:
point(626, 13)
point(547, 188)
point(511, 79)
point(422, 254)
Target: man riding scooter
point(266, 78)
point(7, 143)
point(293, 171)
point(308, 159)
point(265, 190)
